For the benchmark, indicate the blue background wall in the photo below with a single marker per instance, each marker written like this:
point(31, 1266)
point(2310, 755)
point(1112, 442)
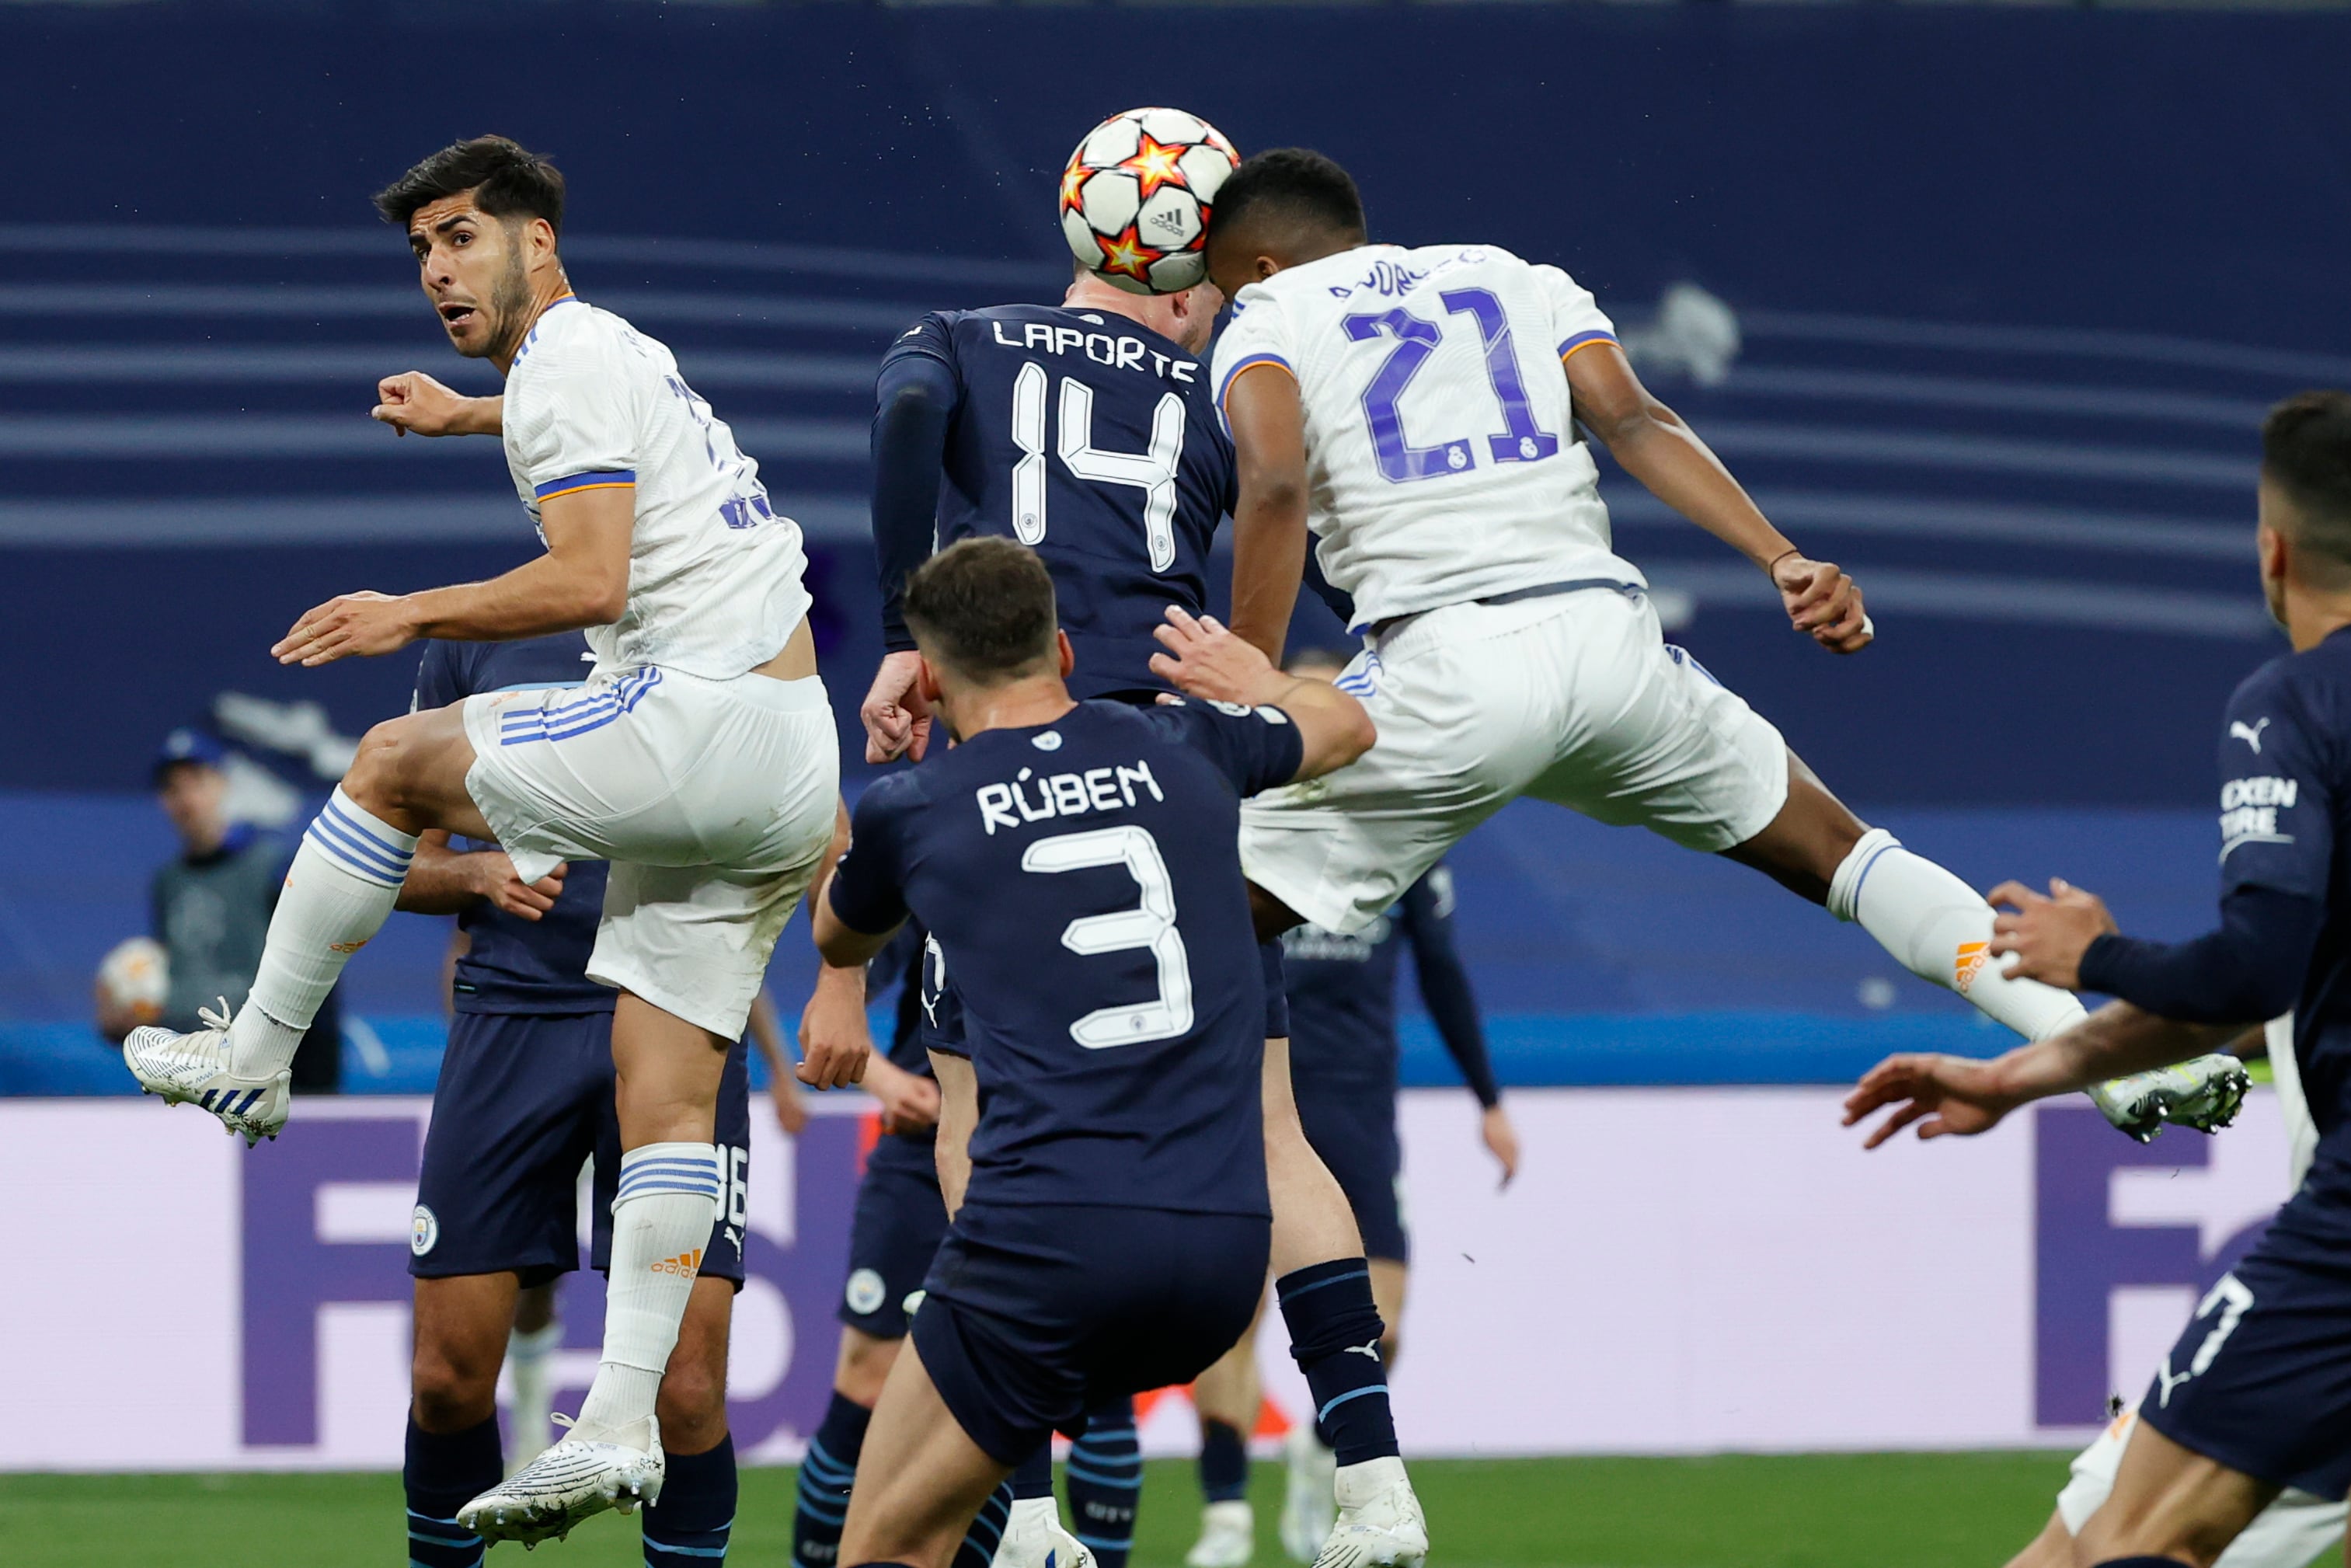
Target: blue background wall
point(2015, 287)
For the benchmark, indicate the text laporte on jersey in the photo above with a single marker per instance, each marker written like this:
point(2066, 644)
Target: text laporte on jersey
point(1121, 352)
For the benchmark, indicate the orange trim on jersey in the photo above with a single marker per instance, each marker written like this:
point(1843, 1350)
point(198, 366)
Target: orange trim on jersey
point(1225, 393)
point(1588, 342)
point(599, 485)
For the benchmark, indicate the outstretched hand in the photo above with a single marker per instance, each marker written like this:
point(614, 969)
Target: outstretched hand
point(1946, 1095)
point(349, 625)
point(2048, 937)
point(1205, 659)
point(1823, 602)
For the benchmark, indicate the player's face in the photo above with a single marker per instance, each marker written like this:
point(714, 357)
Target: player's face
point(1198, 323)
point(476, 271)
point(192, 795)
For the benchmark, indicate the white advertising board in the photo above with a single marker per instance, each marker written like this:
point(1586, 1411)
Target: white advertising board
point(1675, 1270)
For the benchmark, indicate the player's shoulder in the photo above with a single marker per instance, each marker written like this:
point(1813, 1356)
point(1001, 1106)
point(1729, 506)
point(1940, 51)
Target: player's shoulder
point(2314, 687)
point(573, 336)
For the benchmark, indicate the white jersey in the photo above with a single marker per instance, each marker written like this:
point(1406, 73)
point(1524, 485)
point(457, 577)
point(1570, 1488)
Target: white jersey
point(1442, 460)
point(713, 570)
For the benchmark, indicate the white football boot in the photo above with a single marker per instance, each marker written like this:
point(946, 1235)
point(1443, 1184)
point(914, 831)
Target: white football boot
point(1380, 1523)
point(1307, 1506)
point(2205, 1093)
point(577, 1479)
point(194, 1068)
point(1033, 1538)
point(1227, 1536)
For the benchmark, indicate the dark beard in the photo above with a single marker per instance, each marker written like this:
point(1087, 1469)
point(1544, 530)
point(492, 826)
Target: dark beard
point(510, 308)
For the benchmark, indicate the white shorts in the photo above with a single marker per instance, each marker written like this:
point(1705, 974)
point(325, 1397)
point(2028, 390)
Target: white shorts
point(1575, 699)
point(713, 799)
point(2288, 1533)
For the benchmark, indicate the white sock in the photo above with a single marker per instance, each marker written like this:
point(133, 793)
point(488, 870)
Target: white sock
point(526, 1358)
point(1939, 929)
point(338, 893)
point(661, 1222)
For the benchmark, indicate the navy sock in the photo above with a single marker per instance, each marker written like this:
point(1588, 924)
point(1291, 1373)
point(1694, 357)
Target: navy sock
point(1224, 1462)
point(689, 1526)
point(826, 1473)
point(1334, 1337)
point(1104, 1475)
point(442, 1473)
point(979, 1543)
point(1034, 1479)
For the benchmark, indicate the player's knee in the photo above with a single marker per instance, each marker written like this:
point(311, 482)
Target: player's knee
point(863, 1367)
point(376, 780)
point(450, 1391)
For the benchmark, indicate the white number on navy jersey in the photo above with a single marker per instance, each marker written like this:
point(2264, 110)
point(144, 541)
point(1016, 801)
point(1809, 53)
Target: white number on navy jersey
point(1152, 470)
point(1151, 924)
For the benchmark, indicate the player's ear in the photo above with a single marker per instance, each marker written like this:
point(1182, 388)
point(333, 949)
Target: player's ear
point(1067, 655)
point(926, 680)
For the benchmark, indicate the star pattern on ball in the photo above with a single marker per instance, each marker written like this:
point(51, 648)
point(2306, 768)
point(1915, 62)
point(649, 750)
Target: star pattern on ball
point(1126, 254)
point(1073, 180)
point(1155, 164)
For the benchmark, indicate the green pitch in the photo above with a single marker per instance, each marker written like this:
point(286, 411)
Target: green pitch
point(1858, 1511)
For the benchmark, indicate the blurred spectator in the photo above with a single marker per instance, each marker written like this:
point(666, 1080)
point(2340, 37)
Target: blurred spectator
point(210, 907)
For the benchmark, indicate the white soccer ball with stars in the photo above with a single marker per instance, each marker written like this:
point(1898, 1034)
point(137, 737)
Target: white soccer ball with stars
point(135, 978)
point(1136, 195)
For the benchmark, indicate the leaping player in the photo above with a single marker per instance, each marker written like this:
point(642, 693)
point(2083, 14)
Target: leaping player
point(1418, 411)
point(1087, 431)
point(700, 759)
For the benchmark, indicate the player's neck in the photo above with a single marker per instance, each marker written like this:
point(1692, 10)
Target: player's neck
point(1015, 705)
point(1086, 293)
point(2311, 616)
point(546, 292)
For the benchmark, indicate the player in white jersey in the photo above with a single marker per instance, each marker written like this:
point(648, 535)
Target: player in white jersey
point(2297, 1525)
point(1408, 406)
point(700, 759)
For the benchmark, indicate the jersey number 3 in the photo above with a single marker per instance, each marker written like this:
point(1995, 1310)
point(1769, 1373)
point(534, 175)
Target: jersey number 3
point(1152, 472)
point(1151, 924)
point(1521, 440)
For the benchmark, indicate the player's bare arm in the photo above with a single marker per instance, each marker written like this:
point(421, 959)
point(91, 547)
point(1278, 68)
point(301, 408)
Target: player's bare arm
point(1954, 1096)
point(1209, 661)
point(2048, 934)
point(445, 881)
point(1268, 425)
point(836, 1041)
point(581, 581)
point(958, 1114)
point(413, 403)
point(1656, 447)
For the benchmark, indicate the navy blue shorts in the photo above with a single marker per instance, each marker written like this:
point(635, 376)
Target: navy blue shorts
point(523, 1102)
point(1032, 1315)
point(2260, 1380)
point(899, 1221)
point(1353, 1127)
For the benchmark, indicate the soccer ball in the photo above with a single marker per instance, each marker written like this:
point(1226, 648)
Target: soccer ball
point(135, 978)
point(1136, 195)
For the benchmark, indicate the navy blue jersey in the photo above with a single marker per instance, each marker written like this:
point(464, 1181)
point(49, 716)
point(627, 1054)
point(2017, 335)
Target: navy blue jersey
point(1085, 436)
point(1342, 991)
point(1081, 880)
point(518, 966)
point(2285, 785)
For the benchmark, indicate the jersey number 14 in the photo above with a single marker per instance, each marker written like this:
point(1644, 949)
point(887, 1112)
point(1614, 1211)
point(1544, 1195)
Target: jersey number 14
point(1153, 471)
